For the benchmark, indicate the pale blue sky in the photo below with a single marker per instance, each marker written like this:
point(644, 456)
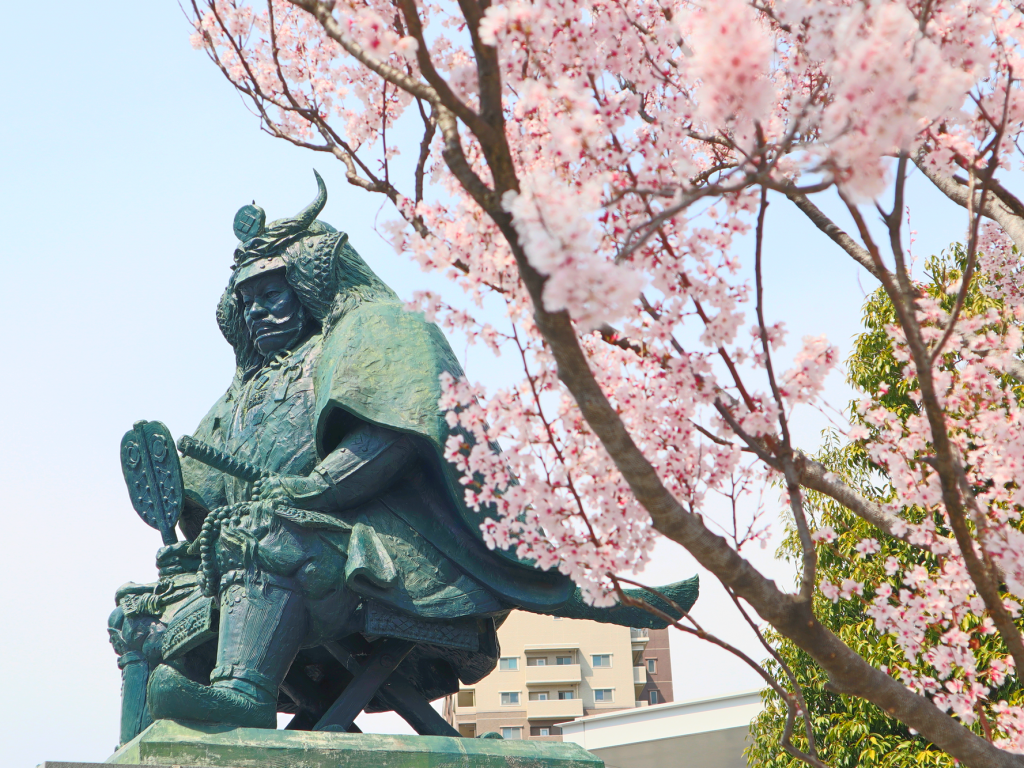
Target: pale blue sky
point(123, 157)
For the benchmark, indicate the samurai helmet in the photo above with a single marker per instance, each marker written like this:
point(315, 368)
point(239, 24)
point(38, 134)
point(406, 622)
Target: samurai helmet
point(318, 261)
point(261, 249)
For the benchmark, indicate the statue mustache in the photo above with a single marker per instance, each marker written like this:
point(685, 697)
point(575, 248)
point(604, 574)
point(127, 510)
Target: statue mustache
point(272, 324)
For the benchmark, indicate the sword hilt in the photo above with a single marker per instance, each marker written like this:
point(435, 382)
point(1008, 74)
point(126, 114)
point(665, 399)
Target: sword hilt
point(213, 457)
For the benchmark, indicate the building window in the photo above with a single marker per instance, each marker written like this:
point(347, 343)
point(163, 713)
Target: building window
point(563, 660)
point(536, 661)
point(539, 695)
point(551, 730)
point(602, 694)
point(467, 730)
point(557, 618)
point(515, 732)
point(654, 697)
point(652, 666)
point(508, 662)
point(565, 695)
point(604, 660)
point(467, 698)
point(510, 699)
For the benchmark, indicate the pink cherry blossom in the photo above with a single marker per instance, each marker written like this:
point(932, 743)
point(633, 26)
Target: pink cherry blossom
point(825, 533)
point(867, 547)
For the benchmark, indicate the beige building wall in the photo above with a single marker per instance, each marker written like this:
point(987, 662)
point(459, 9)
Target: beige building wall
point(552, 671)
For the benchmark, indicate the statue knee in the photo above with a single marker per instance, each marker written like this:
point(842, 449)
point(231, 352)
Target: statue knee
point(135, 638)
point(114, 624)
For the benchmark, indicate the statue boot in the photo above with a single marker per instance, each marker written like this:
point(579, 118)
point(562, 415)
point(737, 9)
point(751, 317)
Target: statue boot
point(261, 628)
point(682, 594)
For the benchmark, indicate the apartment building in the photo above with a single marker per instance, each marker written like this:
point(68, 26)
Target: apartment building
point(555, 670)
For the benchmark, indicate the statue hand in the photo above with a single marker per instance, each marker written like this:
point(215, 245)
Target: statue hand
point(172, 560)
point(297, 490)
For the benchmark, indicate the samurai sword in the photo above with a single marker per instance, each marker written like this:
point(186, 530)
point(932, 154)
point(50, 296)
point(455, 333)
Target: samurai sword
point(218, 459)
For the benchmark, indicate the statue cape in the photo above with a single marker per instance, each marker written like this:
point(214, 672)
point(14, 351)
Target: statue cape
point(382, 364)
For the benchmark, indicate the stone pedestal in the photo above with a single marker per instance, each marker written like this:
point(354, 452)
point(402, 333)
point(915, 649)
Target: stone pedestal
point(170, 743)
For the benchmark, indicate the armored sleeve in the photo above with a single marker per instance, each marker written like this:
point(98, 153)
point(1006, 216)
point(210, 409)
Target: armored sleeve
point(365, 463)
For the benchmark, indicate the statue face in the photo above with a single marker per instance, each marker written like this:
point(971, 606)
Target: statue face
point(272, 311)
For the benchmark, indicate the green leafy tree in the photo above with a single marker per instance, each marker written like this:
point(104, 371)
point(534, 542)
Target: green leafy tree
point(850, 731)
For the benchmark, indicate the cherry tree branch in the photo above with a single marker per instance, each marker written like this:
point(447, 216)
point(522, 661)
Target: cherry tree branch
point(974, 216)
point(581, 510)
point(996, 209)
point(322, 12)
point(785, 450)
point(815, 476)
point(334, 143)
point(796, 705)
point(429, 129)
point(836, 234)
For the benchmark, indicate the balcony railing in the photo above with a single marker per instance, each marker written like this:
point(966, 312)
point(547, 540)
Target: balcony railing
point(551, 674)
point(639, 675)
point(567, 646)
point(554, 709)
point(638, 637)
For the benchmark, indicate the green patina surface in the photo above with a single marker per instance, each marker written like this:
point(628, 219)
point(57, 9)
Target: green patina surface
point(209, 746)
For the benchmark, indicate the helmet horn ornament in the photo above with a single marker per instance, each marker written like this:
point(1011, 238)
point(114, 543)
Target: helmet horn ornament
point(308, 214)
point(259, 242)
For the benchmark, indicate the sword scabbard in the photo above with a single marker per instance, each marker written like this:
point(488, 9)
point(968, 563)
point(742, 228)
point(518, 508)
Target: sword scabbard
point(218, 459)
